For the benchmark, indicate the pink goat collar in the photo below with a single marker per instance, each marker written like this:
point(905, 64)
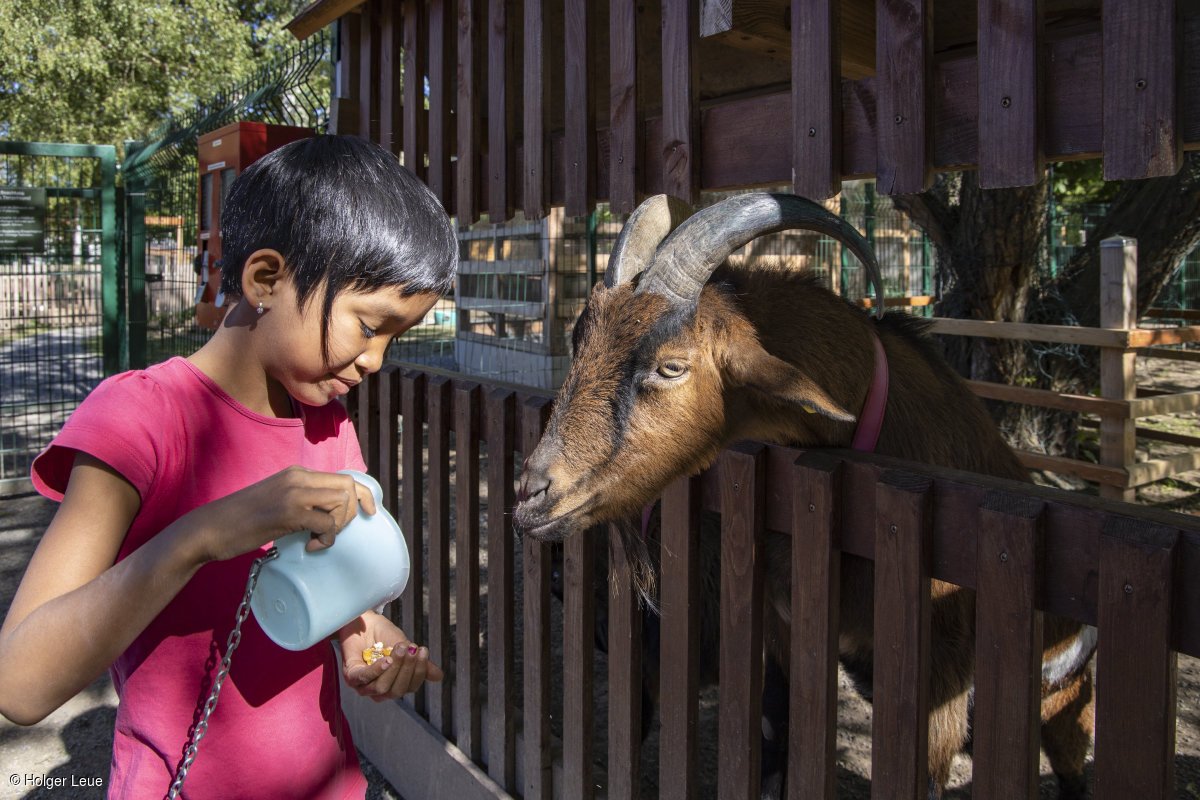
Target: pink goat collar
point(870, 421)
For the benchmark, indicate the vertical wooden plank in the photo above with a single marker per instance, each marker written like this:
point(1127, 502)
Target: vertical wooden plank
point(579, 616)
point(367, 398)
point(412, 464)
point(1118, 367)
point(344, 114)
point(441, 76)
point(501, 111)
point(624, 677)
point(1008, 648)
point(903, 44)
point(534, 181)
point(388, 436)
point(578, 108)
point(439, 694)
point(416, 63)
point(1141, 64)
point(467, 111)
point(816, 99)
point(743, 484)
point(467, 720)
point(390, 77)
point(679, 659)
point(501, 725)
point(900, 730)
point(681, 108)
point(1010, 151)
point(625, 124)
point(368, 71)
point(536, 555)
point(816, 587)
point(1135, 730)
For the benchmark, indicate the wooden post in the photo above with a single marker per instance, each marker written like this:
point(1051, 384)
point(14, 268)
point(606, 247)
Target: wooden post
point(1118, 378)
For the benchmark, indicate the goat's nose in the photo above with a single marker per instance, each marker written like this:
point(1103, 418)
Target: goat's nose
point(533, 483)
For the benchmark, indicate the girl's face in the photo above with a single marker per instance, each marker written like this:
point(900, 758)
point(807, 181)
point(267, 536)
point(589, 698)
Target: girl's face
point(361, 326)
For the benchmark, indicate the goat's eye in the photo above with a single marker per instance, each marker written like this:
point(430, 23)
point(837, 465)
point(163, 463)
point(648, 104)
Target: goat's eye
point(672, 369)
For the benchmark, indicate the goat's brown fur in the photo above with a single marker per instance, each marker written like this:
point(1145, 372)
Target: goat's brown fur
point(762, 348)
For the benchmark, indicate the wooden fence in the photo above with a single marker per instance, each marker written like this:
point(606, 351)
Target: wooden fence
point(1132, 572)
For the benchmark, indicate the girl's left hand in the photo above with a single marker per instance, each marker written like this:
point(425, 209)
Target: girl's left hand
point(390, 677)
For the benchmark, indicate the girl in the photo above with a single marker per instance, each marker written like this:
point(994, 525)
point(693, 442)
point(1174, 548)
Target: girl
point(172, 480)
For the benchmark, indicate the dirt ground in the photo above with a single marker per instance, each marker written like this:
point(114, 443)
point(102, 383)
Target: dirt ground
point(75, 742)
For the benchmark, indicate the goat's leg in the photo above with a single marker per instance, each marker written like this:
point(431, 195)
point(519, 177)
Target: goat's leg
point(1068, 724)
point(952, 666)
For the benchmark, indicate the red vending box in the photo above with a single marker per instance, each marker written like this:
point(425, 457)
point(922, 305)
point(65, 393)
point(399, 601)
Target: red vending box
point(222, 155)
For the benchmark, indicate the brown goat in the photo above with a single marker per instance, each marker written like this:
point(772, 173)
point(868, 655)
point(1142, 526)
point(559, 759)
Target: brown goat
point(678, 355)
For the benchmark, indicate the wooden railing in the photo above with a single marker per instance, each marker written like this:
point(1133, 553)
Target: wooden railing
point(1133, 572)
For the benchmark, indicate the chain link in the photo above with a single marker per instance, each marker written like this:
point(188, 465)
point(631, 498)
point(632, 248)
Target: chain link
point(235, 638)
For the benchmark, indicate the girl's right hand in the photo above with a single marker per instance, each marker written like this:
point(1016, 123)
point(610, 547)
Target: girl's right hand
point(295, 499)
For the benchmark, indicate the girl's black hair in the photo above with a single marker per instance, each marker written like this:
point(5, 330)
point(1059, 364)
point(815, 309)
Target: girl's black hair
point(345, 215)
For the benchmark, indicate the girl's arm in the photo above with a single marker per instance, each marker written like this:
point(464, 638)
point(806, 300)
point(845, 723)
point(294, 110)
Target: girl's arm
point(76, 610)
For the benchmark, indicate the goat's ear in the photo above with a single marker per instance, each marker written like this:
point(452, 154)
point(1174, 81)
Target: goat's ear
point(755, 369)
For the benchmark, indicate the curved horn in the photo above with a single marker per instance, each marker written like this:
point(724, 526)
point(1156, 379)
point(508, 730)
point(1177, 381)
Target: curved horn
point(686, 260)
point(644, 231)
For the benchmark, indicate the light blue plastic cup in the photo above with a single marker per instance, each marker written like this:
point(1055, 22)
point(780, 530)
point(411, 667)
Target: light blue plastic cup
point(302, 597)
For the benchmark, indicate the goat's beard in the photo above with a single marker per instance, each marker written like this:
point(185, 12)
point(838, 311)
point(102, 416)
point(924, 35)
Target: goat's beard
point(637, 551)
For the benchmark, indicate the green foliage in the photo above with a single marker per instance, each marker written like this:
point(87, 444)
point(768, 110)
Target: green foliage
point(1081, 183)
point(103, 71)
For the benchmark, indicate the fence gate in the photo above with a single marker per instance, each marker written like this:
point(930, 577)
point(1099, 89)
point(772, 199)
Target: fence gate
point(61, 316)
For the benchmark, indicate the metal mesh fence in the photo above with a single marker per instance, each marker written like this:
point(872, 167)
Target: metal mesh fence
point(51, 299)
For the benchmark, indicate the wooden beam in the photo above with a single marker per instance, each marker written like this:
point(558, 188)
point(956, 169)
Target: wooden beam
point(441, 81)
point(1009, 101)
point(1118, 373)
point(1063, 334)
point(502, 89)
point(578, 108)
point(625, 122)
point(468, 112)
point(1141, 116)
point(416, 65)
point(679, 143)
point(816, 97)
point(1044, 398)
point(535, 183)
point(319, 14)
point(368, 71)
point(904, 44)
point(391, 100)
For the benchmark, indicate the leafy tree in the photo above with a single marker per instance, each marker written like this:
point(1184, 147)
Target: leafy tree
point(103, 71)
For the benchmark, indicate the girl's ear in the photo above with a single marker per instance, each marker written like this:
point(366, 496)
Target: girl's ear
point(260, 275)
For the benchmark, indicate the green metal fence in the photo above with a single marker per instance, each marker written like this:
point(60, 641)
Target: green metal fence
point(61, 320)
point(161, 177)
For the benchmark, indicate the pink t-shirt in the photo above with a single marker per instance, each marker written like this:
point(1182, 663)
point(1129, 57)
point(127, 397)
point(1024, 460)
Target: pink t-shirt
point(278, 730)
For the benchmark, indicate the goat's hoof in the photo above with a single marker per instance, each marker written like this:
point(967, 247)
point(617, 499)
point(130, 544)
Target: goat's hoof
point(1072, 787)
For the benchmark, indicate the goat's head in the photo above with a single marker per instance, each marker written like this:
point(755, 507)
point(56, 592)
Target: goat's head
point(660, 358)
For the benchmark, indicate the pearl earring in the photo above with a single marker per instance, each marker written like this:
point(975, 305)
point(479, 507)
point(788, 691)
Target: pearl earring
point(260, 308)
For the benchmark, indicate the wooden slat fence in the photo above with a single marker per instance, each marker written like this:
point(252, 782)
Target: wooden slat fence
point(875, 91)
point(1024, 550)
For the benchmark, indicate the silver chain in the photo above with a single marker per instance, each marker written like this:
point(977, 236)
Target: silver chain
point(235, 638)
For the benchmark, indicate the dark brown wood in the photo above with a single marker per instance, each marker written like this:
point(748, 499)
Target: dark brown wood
point(816, 592)
point(388, 436)
point(903, 52)
point(441, 82)
point(412, 476)
point(1135, 729)
point(625, 125)
point(467, 718)
point(578, 107)
point(416, 65)
point(1141, 61)
point(1009, 102)
point(1008, 648)
point(625, 678)
point(367, 400)
point(501, 713)
point(534, 183)
point(468, 112)
point(900, 725)
point(579, 616)
point(344, 114)
point(816, 99)
point(391, 100)
point(743, 487)
point(368, 71)
point(679, 143)
point(679, 674)
point(538, 774)
point(440, 695)
point(502, 86)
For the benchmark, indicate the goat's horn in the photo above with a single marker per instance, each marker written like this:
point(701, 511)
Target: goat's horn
point(644, 231)
point(686, 260)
